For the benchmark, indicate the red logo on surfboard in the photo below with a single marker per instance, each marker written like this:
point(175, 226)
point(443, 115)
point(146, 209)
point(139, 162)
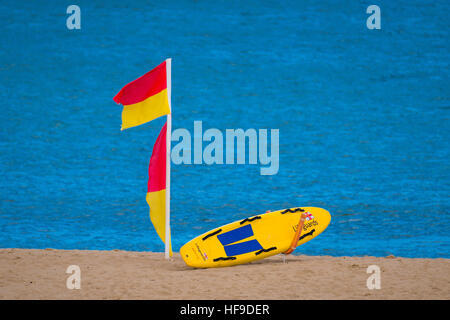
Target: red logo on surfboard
point(309, 216)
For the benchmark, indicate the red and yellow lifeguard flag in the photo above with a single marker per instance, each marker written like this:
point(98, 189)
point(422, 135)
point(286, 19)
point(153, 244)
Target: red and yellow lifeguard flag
point(145, 98)
point(156, 187)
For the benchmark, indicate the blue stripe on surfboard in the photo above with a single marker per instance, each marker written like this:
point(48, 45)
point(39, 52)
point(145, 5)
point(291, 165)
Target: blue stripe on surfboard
point(243, 247)
point(235, 235)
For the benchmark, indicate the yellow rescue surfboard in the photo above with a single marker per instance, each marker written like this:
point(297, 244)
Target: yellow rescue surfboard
point(253, 238)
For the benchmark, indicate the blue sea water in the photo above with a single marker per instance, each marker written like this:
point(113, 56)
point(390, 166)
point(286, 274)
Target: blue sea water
point(363, 117)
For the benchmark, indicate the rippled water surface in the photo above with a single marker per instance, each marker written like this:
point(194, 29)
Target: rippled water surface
point(363, 117)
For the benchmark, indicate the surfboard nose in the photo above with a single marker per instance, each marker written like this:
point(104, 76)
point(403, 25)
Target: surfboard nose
point(322, 214)
point(327, 217)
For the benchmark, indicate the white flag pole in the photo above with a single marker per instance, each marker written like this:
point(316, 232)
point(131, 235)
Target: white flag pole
point(168, 148)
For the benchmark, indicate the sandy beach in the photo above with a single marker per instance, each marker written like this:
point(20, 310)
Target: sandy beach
point(41, 274)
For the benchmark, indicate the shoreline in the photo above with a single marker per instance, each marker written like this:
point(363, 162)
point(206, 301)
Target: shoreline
point(41, 274)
